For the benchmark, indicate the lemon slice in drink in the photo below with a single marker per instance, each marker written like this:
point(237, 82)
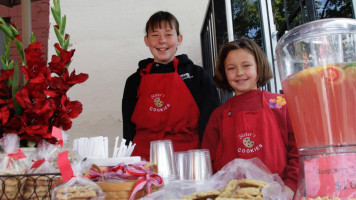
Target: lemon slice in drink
point(332, 74)
point(350, 71)
point(307, 72)
point(294, 82)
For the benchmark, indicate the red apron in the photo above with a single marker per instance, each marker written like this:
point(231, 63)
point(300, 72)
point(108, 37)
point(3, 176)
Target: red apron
point(249, 134)
point(165, 110)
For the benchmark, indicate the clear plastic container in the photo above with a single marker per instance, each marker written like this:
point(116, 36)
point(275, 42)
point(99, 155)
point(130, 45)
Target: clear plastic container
point(317, 67)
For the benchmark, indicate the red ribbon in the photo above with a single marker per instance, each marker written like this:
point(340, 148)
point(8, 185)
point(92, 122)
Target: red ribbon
point(64, 166)
point(16, 156)
point(148, 178)
point(37, 163)
point(57, 133)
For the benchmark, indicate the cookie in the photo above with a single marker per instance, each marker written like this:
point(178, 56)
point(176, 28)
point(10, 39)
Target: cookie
point(252, 183)
point(203, 195)
point(249, 191)
point(229, 189)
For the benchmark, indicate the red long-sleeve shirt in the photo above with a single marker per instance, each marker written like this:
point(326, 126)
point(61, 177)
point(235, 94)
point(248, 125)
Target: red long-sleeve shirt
point(251, 101)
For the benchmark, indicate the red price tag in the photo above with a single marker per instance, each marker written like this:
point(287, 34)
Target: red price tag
point(332, 176)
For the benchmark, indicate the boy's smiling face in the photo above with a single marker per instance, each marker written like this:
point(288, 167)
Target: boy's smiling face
point(163, 42)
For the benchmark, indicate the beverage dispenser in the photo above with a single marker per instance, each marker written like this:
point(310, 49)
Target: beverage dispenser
point(317, 67)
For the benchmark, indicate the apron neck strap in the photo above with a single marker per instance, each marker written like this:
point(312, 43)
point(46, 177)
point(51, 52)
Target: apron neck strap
point(263, 99)
point(149, 66)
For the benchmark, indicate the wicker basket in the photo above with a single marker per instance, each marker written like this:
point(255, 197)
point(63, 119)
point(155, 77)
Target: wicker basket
point(122, 191)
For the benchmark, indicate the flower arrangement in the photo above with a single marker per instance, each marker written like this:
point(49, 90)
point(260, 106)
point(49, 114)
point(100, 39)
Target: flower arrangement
point(32, 105)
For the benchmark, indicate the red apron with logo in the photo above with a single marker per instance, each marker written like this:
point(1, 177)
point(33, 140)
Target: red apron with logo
point(165, 110)
point(249, 134)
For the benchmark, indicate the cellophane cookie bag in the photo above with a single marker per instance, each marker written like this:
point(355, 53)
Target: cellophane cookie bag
point(12, 163)
point(43, 169)
point(75, 185)
point(239, 179)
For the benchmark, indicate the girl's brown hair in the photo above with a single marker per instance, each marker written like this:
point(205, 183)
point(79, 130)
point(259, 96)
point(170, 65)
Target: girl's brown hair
point(264, 72)
point(161, 16)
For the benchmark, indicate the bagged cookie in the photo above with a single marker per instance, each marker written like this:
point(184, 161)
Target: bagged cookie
point(75, 185)
point(44, 161)
point(240, 179)
point(12, 163)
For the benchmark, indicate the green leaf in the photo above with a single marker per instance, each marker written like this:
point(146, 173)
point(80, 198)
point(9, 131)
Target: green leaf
point(7, 44)
point(14, 31)
point(3, 61)
point(63, 25)
point(66, 43)
point(2, 20)
point(57, 7)
point(6, 30)
point(15, 88)
point(59, 36)
point(11, 65)
point(32, 38)
point(58, 53)
point(56, 16)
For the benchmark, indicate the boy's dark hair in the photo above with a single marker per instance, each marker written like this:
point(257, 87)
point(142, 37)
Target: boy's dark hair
point(264, 72)
point(162, 16)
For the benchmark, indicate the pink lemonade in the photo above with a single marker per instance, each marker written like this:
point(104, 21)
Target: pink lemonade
point(322, 105)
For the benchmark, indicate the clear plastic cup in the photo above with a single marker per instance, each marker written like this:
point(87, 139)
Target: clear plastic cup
point(181, 159)
point(199, 164)
point(161, 153)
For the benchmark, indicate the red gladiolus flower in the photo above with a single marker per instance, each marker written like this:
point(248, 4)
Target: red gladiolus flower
point(57, 86)
point(33, 50)
point(74, 79)
point(30, 95)
point(5, 89)
point(66, 56)
point(42, 98)
point(35, 125)
point(63, 121)
point(5, 108)
point(14, 125)
point(72, 108)
point(57, 65)
point(18, 38)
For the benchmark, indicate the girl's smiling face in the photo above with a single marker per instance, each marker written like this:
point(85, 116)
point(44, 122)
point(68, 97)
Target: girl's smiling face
point(163, 42)
point(241, 71)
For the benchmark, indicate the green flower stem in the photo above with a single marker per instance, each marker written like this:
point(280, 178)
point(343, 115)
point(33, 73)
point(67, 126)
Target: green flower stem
point(15, 88)
point(6, 30)
point(19, 48)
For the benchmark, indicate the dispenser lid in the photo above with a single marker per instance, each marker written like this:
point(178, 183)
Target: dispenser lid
point(323, 27)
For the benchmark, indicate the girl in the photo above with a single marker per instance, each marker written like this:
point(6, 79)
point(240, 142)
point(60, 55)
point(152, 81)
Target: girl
point(168, 97)
point(253, 123)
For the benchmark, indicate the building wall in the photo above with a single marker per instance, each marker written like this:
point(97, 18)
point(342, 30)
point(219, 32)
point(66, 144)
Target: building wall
point(109, 40)
point(40, 23)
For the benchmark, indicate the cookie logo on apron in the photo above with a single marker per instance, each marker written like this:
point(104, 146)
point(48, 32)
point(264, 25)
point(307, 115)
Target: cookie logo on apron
point(159, 104)
point(246, 143)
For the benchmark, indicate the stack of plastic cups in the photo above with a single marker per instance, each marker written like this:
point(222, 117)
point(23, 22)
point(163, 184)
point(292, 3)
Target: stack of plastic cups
point(161, 154)
point(199, 165)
